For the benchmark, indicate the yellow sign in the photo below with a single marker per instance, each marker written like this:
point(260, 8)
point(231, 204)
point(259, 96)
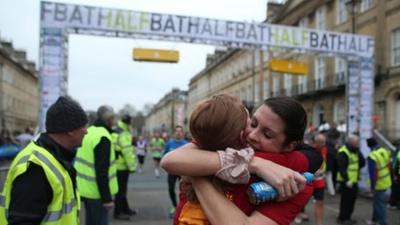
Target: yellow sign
point(155, 55)
point(284, 66)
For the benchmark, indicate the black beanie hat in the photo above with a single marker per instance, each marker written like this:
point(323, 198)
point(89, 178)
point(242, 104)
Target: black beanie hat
point(65, 115)
point(371, 142)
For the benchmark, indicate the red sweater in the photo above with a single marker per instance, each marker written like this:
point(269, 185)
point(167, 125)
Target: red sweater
point(281, 212)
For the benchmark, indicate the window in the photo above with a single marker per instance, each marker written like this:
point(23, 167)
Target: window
point(339, 111)
point(303, 22)
point(243, 94)
point(256, 57)
point(275, 84)
point(396, 47)
point(7, 75)
point(257, 92)
point(321, 18)
point(341, 11)
point(288, 84)
point(266, 56)
point(266, 88)
point(303, 84)
point(366, 4)
point(319, 73)
point(249, 96)
point(340, 71)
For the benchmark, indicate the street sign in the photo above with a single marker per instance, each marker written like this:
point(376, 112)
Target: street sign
point(155, 55)
point(285, 66)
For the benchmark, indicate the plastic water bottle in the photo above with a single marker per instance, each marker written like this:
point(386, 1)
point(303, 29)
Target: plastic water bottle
point(260, 192)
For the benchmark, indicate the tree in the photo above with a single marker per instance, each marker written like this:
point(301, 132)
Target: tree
point(128, 109)
point(147, 108)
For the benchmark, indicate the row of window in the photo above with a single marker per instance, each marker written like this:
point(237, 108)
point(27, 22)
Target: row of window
point(14, 105)
point(342, 16)
point(10, 76)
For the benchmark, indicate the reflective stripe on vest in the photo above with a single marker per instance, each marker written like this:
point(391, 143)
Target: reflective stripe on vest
point(64, 207)
point(353, 166)
point(125, 151)
point(382, 158)
point(84, 164)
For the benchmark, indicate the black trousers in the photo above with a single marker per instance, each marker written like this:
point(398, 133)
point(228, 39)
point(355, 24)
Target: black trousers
point(395, 194)
point(121, 201)
point(96, 214)
point(171, 187)
point(347, 201)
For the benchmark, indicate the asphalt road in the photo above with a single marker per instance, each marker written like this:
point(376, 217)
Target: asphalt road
point(149, 196)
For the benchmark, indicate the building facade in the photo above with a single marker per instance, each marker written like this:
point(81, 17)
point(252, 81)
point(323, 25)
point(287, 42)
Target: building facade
point(168, 112)
point(246, 74)
point(19, 90)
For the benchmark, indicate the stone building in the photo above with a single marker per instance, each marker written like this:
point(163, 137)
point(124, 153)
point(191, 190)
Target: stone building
point(168, 112)
point(246, 74)
point(19, 90)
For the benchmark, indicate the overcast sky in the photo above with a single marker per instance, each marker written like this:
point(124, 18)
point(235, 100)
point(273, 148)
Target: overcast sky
point(101, 70)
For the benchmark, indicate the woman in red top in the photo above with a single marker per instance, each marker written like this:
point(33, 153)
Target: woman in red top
point(268, 131)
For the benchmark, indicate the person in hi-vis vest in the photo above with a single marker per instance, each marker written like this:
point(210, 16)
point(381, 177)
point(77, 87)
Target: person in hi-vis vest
point(380, 176)
point(350, 161)
point(96, 169)
point(126, 163)
point(40, 187)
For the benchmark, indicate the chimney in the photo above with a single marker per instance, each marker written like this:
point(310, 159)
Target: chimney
point(273, 9)
point(20, 55)
point(210, 59)
point(7, 46)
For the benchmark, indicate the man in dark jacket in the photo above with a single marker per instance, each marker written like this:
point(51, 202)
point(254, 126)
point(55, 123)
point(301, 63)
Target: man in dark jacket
point(31, 192)
point(350, 161)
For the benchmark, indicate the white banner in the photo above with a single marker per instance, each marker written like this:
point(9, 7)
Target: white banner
point(51, 69)
point(353, 98)
point(213, 31)
point(57, 19)
point(366, 102)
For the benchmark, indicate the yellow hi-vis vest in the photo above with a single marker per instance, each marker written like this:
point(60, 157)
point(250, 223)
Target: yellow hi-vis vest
point(64, 207)
point(353, 167)
point(124, 150)
point(381, 157)
point(84, 164)
point(398, 161)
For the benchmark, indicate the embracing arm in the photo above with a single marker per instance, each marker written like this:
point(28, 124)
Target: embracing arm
point(219, 210)
point(189, 161)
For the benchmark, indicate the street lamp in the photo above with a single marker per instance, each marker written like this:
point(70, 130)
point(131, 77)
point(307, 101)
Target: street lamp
point(353, 7)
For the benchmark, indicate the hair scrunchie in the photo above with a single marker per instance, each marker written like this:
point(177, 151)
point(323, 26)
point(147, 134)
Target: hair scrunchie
point(235, 165)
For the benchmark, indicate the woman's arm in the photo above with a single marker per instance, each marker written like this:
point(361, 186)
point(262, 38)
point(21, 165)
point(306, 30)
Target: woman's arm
point(287, 182)
point(219, 210)
point(188, 160)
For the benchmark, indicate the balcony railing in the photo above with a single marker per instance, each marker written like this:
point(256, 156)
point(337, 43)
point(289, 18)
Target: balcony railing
point(332, 82)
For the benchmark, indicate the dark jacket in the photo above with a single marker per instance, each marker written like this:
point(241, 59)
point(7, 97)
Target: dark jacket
point(31, 192)
point(343, 162)
point(102, 153)
point(314, 157)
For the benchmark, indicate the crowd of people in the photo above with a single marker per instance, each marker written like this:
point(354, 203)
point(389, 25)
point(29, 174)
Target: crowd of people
point(229, 149)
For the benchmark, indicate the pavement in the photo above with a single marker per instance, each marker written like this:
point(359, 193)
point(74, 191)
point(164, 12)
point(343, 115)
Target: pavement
point(149, 196)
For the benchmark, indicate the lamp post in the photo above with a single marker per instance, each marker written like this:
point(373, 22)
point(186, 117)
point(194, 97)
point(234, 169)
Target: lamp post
point(352, 93)
point(353, 7)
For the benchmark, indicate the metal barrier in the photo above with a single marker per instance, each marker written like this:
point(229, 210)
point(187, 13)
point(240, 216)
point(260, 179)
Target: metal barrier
point(383, 140)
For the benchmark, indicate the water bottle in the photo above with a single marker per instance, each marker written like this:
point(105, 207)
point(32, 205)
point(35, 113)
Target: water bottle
point(260, 192)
